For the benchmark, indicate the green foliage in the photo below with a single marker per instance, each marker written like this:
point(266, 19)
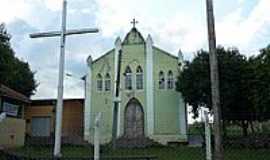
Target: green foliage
point(194, 83)
point(14, 73)
point(259, 83)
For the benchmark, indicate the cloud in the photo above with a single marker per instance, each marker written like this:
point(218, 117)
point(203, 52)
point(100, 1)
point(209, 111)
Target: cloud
point(12, 9)
point(241, 1)
point(171, 28)
point(237, 30)
point(43, 54)
point(174, 25)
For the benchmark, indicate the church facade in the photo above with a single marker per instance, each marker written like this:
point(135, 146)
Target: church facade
point(149, 104)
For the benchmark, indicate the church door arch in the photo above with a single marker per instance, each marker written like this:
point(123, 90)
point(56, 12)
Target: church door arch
point(134, 119)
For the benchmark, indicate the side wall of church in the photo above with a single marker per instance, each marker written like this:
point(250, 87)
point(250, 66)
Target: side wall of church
point(166, 101)
point(102, 101)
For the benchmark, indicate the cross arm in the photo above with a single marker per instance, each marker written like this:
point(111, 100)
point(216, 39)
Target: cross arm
point(68, 32)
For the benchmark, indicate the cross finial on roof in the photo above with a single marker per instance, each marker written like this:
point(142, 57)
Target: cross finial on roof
point(134, 22)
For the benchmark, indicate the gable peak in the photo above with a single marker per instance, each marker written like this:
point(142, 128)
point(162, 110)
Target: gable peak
point(134, 37)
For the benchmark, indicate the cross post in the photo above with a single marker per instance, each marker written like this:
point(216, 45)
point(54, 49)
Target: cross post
point(59, 107)
point(134, 22)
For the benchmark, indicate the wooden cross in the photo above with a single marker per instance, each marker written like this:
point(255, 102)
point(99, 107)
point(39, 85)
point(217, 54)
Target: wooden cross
point(59, 108)
point(134, 22)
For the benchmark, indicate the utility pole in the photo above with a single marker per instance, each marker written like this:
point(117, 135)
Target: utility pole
point(59, 107)
point(116, 101)
point(218, 148)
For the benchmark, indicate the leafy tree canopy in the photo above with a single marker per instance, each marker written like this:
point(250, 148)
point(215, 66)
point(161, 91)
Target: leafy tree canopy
point(14, 72)
point(259, 85)
point(194, 83)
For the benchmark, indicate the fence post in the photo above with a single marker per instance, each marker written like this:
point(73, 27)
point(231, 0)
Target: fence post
point(96, 137)
point(207, 137)
point(3, 116)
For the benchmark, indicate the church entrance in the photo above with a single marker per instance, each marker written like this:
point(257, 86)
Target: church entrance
point(134, 120)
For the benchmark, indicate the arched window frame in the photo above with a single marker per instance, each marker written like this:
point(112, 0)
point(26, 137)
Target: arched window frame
point(161, 80)
point(170, 81)
point(128, 78)
point(99, 82)
point(107, 82)
point(139, 78)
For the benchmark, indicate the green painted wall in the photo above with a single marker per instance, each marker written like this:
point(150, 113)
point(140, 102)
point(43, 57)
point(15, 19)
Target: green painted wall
point(133, 56)
point(166, 102)
point(102, 101)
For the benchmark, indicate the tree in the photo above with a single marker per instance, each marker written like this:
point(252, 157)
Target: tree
point(14, 72)
point(194, 84)
point(259, 84)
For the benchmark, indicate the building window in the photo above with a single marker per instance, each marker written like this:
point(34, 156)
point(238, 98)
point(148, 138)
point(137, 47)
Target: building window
point(11, 109)
point(128, 78)
point(161, 80)
point(139, 78)
point(170, 80)
point(107, 82)
point(99, 82)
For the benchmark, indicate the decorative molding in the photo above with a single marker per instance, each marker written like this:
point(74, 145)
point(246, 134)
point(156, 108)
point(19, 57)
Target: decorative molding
point(182, 116)
point(149, 86)
point(87, 102)
point(180, 60)
point(182, 106)
point(118, 47)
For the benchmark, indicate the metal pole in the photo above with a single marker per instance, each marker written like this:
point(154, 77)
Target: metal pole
point(214, 81)
point(59, 107)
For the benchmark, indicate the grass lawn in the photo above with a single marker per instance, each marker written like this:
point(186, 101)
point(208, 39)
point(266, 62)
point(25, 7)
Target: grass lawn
point(163, 153)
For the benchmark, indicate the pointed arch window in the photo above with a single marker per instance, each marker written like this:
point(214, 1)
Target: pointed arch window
point(107, 82)
point(161, 80)
point(99, 82)
point(139, 78)
point(128, 78)
point(170, 80)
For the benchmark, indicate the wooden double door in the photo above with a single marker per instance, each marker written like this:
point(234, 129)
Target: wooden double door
point(134, 120)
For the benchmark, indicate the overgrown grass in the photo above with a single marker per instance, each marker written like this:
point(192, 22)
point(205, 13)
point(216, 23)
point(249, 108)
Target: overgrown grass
point(163, 153)
point(47, 151)
point(247, 154)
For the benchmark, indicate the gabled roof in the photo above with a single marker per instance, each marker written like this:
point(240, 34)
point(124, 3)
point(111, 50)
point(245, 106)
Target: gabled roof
point(106, 53)
point(133, 37)
point(165, 52)
point(12, 94)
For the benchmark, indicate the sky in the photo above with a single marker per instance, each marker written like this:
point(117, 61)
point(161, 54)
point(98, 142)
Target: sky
point(173, 25)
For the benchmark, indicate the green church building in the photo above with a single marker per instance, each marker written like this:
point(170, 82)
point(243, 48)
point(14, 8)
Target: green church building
point(150, 107)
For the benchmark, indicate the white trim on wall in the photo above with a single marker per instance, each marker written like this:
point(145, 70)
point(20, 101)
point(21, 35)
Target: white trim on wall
point(87, 101)
point(149, 86)
point(118, 47)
